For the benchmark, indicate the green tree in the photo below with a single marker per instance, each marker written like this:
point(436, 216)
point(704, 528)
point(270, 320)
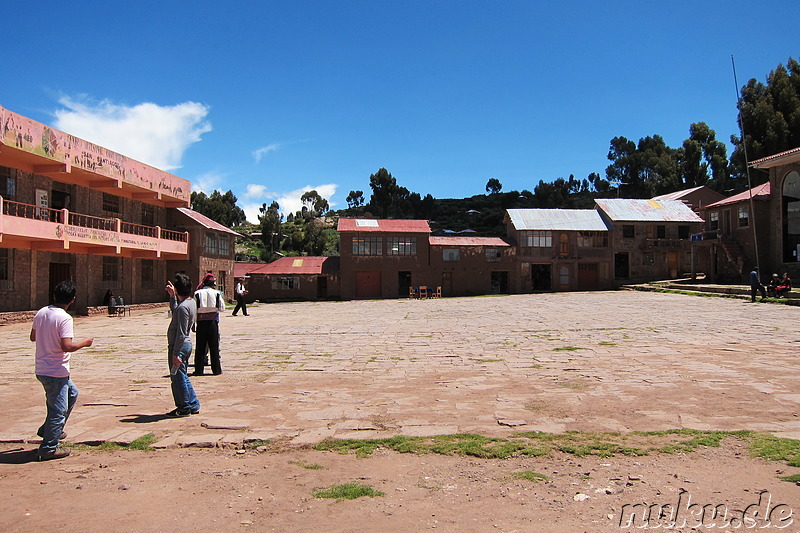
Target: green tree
point(270, 221)
point(770, 116)
point(388, 198)
point(314, 205)
point(355, 199)
point(493, 186)
point(219, 207)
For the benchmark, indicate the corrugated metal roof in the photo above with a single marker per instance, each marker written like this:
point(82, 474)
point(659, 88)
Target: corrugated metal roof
point(677, 195)
point(783, 158)
point(291, 265)
point(467, 241)
point(634, 210)
point(383, 225)
point(205, 221)
point(759, 192)
point(557, 219)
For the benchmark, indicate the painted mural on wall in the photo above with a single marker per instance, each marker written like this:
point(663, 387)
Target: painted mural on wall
point(34, 137)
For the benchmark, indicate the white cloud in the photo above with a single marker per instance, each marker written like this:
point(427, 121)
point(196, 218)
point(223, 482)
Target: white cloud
point(153, 134)
point(261, 152)
point(256, 191)
point(289, 202)
point(209, 182)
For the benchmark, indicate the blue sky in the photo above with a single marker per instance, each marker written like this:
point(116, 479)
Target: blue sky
point(270, 99)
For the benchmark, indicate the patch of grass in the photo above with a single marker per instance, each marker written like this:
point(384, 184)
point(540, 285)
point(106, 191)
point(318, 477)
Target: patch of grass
point(143, 443)
point(253, 444)
point(530, 475)
point(580, 444)
point(322, 355)
point(775, 448)
point(487, 360)
point(567, 349)
point(307, 466)
point(791, 479)
point(347, 491)
point(607, 343)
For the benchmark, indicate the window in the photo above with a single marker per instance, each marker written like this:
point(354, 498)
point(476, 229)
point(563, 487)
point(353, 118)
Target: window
point(713, 220)
point(656, 232)
point(592, 239)
point(111, 272)
point(563, 245)
point(744, 216)
point(628, 231)
point(224, 245)
point(148, 215)
point(649, 258)
point(451, 254)
point(8, 184)
point(111, 203)
point(364, 244)
point(147, 269)
point(493, 255)
point(212, 243)
point(285, 283)
point(683, 232)
point(401, 246)
point(6, 269)
point(536, 239)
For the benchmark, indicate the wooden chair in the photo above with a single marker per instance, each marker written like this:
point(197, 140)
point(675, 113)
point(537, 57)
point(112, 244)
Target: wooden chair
point(438, 292)
point(423, 291)
point(412, 293)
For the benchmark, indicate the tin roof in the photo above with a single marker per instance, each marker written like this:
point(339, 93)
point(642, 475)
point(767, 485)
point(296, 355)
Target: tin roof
point(783, 158)
point(759, 192)
point(467, 241)
point(383, 225)
point(205, 221)
point(556, 219)
point(677, 195)
point(290, 265)
point(634, 210)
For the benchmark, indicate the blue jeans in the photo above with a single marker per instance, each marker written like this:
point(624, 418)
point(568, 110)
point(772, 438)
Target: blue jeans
point(60, 394)
point(182, 390)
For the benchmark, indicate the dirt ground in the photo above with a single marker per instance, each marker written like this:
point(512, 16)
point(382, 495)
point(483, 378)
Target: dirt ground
point(229, 490)
point(580, 362)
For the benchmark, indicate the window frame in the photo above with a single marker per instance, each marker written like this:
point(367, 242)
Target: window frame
point(401, 245)
point(367, 245)
point(536, 238)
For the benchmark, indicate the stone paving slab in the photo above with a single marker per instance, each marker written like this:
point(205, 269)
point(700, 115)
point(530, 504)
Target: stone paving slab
point(301, 372)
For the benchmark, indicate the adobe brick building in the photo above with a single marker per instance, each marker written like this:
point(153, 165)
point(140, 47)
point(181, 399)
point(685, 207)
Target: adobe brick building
point(70, 209)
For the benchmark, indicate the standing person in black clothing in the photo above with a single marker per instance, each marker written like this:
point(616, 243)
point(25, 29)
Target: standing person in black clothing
point(240, 293)
point(756, 286)
point(209, 303)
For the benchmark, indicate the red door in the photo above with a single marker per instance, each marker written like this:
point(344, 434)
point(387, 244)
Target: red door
point(368, 284)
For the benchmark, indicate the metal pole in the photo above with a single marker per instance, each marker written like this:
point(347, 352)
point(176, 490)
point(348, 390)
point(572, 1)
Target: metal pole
point(747, 167)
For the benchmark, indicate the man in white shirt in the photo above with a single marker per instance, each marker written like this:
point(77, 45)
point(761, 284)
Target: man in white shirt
point(240, 292)
point(53, 335)
point(209, 303)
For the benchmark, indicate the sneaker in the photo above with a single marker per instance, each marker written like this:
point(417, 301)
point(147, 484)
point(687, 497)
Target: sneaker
point(179, 413)
point(58, 453)
point(195, 411)
point(60, 437)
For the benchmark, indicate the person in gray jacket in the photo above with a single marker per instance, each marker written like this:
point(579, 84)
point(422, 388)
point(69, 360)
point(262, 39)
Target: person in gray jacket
point(179, 341)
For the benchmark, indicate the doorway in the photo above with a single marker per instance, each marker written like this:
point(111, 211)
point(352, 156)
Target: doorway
point(622, 265)
point(499, 282)
point(404, 283)
point(541, 277)
point(58, 272)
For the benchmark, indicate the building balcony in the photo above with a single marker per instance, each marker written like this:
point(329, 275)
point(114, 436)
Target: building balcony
point(59, 230)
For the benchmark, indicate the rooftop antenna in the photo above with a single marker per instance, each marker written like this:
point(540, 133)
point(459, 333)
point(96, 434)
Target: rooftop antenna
point(746, 165)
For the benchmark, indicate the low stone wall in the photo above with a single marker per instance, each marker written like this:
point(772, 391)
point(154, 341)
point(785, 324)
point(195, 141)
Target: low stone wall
point(14, 317)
